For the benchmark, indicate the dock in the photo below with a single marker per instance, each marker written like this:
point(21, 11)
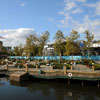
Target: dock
point(75, 73)
point(19, 76)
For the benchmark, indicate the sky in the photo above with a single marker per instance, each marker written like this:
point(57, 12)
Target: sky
point(20, 18)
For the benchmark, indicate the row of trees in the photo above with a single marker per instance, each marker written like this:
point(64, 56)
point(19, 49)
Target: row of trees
point(71, 44)
point(68, 45)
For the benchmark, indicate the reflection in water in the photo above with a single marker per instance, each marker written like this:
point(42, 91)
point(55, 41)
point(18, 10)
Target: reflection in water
point(44, 90)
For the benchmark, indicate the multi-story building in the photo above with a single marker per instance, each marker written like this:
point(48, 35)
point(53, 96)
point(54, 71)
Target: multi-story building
point(48, 50)
point(95, 48)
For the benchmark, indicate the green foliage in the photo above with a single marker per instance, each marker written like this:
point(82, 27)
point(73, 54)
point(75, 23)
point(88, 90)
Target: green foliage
point(87, 62)
point(78, 62)
point(18, 50)
point(31, 47)
point(88, 42)
point(31, 66)
point(42, 41)
point(72, 46)
point(60, 65)
point(43, 63)
point(20, 65)
point(96, 66)
point(59, 45)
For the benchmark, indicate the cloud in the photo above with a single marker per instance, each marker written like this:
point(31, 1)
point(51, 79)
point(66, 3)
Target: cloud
point(22, 4)
point(14, 37)
point(98, 8)
point(69, 6)
point(77, 10)
point(83, 1)
point(72, 19)
point(90, 4)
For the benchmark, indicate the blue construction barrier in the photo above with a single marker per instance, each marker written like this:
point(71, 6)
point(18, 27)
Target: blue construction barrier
point(57, 57)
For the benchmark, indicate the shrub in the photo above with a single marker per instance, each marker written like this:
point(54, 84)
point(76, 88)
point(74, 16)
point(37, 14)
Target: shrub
point(58, 65)
point(20, 65)
point(68, 66)
point(78, 62)
point(97, 66)
point(31, 66)
point(43, 63)
point(87, 62)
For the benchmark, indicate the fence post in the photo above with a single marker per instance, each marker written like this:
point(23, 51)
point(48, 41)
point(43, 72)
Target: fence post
point(7, 66)
point(26, 67)
point(71, 67)
point(36, 67)
point(64, 70)
point(93, 68)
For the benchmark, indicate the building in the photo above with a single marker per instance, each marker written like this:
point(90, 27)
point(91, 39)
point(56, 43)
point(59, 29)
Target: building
point(8, 48)
point(1, 45)
point(95, 48)
point(48, 50)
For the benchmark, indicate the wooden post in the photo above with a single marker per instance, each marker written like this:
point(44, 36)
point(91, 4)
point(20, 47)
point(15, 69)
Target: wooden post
point(36, 66)
point(26, 68)
point(7, 66)
point(71, 67)
point(82, 83)
point(93, 68)
point(98, 84)
point(68, 82)
point(64, 70)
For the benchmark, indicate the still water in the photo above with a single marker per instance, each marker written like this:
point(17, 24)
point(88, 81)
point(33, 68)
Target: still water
point(47, 90)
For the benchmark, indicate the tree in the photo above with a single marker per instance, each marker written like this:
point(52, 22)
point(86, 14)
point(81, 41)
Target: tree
point(88, 42)
point(30, 48)
point(72, 46)
point(18, 50)
point(59, 43)
point(42, 41)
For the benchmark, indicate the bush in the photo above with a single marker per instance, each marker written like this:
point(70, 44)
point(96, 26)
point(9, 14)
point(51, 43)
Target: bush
point(78, 62)
point(87, 62)
point(60, 66)
point(97, 66)
point(68, 66)
point(43, 63)
point(20, 65)
point(31, 66)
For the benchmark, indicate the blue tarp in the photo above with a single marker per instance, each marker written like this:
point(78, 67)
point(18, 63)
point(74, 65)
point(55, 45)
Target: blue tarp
point(57, 57)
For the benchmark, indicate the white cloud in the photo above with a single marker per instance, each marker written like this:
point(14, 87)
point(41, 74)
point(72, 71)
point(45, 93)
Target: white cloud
point(77, 10)
point(83, 1)
point(86, 21)
point(22, 4)
point(14, 37)
point(90, 4)
point(98, 8)
point(69, 6)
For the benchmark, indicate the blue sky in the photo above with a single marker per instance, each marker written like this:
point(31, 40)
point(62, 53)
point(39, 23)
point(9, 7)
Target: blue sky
point(20, 18)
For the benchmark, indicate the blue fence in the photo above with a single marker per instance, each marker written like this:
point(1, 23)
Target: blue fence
point(57, 57)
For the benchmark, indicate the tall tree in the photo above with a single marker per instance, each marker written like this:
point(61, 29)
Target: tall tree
point(31, 45)
point(18, 50)
point(88, 42)
point(59, 43)
point(72, 46)
point(43, 40)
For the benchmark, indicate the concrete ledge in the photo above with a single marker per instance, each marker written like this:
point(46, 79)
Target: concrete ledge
point(19, 76)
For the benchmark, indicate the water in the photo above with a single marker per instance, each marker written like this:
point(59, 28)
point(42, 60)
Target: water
point(47, 90)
